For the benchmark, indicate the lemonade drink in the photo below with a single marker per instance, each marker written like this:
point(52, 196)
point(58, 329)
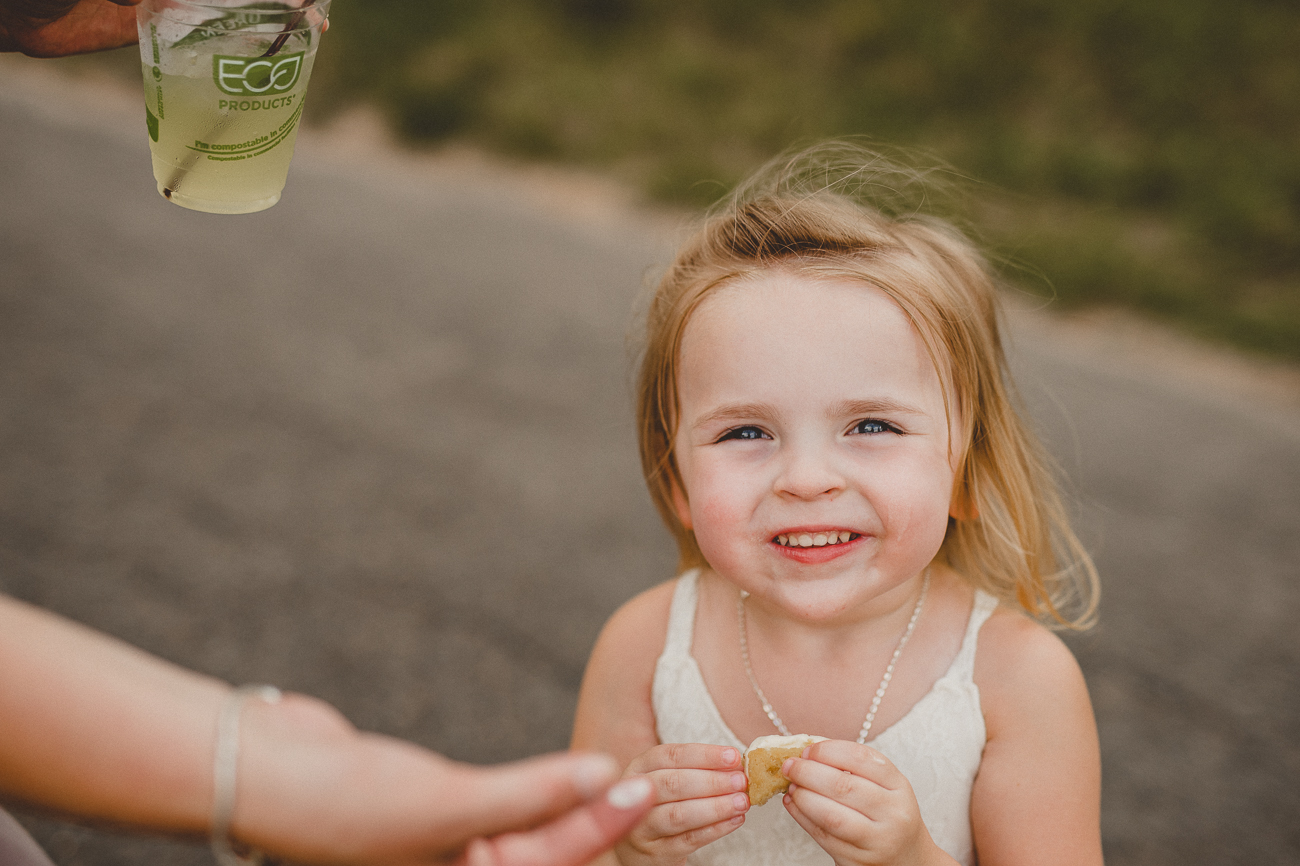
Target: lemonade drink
point(223, 100)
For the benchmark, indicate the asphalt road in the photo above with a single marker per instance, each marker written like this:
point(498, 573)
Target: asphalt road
point(375, 444)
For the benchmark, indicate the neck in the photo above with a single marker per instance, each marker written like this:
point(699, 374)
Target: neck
point(868, 722)
point(879, 621)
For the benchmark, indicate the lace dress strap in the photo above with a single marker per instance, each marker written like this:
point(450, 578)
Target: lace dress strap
point(681, 616)
point(964, 665)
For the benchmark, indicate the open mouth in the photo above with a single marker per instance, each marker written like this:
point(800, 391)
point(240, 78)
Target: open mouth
point(816, 539)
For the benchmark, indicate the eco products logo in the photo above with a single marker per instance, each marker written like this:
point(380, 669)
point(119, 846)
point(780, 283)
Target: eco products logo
point(253, 76)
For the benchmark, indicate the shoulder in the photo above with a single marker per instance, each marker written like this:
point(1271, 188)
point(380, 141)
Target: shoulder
point(1032, 693)
point(1019, 664)
point(640, 625)
point(614, 713)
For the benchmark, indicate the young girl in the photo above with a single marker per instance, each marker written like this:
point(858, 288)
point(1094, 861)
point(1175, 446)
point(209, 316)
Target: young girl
point(871, 545)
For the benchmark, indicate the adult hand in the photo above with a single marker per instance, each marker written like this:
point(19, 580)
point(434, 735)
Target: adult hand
point(57, 28)
point(313, 789)
point(99, 730)
point(574, 838)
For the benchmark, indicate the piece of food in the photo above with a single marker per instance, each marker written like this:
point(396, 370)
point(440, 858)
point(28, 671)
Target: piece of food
point(763, 760)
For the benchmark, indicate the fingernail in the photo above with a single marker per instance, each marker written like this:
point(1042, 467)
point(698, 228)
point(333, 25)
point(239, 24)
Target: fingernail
point(738, 782)
point(785, 766)
point(730, 756)
point(738, 820)
point(740, 801)
point(629, 793)
point(593, 773)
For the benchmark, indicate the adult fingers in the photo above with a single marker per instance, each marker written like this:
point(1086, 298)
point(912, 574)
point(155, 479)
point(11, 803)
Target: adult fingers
point(91, 25)
point(522, 795)
point(573, 838)
point(699, 756)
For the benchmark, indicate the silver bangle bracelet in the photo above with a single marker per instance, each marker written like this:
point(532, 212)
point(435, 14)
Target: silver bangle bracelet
point(224, 770)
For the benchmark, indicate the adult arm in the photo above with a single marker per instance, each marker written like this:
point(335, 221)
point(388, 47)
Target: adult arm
point(100, 730)
point(57, 28)
point(1037, 798)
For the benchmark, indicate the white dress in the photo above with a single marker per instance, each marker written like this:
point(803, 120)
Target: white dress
point(937, 746)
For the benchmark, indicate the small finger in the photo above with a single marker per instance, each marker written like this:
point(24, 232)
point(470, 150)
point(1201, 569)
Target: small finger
point(825, 819)
point(698, 756)
point(839, 785)
point(860, 760)
point(673, 819)
point(687, 843)
point(672, 786)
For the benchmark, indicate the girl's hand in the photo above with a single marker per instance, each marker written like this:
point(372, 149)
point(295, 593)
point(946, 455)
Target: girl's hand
point(858, 806)
point(699, 795)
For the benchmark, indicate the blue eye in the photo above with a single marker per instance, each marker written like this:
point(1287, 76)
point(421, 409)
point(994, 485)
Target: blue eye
point(869, 426)
point(743, 433)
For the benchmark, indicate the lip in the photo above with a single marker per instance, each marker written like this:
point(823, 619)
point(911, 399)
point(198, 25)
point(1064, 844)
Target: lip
point(813, 555)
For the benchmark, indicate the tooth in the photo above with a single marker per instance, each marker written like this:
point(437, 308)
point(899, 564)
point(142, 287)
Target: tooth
point(845, 536)
point(781, 539)
point(805, 540)
point(819, 540)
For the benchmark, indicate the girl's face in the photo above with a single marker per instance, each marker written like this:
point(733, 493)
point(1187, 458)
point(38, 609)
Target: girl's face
point(812, 442)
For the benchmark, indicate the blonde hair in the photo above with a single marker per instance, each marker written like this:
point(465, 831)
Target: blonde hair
point(809, 214)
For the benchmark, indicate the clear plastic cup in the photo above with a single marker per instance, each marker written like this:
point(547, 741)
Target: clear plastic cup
point(224, 82)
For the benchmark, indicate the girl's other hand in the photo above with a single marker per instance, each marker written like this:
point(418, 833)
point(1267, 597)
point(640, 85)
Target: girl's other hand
point(700, 796)
point(857, 805)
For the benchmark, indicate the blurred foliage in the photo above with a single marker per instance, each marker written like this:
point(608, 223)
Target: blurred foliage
point(1146, 153)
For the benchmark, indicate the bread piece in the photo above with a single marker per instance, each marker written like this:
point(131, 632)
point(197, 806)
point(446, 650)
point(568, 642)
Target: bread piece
point(763, 760)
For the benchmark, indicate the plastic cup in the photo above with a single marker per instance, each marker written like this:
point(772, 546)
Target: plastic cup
point(224, 82)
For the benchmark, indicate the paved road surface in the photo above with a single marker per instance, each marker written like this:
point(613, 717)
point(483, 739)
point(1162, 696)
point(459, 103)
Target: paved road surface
point(374, 444)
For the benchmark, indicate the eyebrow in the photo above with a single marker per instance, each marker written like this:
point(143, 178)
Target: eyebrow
point(766, 412)
point(882, 406)
point(737, 412)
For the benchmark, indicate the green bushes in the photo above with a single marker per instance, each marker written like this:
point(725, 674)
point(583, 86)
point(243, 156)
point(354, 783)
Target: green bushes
point(1174, 120)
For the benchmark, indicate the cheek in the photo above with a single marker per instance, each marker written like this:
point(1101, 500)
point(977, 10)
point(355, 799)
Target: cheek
point(914, 504)
point(720, 507)
point(716, 514)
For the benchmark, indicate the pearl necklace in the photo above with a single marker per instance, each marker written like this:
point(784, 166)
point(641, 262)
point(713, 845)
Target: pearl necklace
point(884, 681)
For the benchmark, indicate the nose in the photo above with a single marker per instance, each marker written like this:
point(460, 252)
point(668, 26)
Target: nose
point(809, 472)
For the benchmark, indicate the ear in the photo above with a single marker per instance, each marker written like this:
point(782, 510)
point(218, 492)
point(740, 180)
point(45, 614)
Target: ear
point(680, 505)
point(962, 504)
